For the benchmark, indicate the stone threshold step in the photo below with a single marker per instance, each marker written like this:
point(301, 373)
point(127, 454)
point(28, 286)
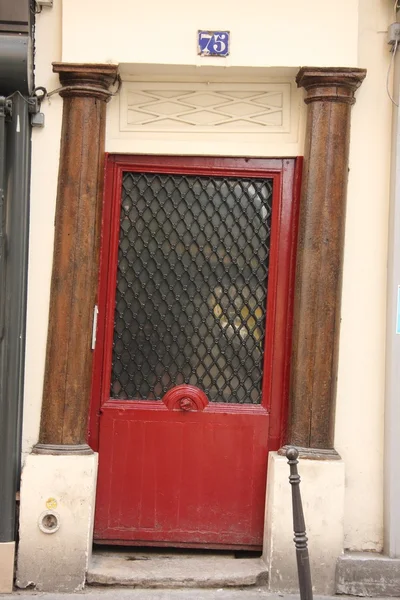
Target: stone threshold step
point(149, 569)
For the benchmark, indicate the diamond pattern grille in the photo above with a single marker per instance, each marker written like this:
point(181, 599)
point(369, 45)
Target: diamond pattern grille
point(191, 286)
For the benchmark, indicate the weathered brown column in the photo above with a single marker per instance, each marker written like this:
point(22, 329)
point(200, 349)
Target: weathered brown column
point(85, 90)
point(329, 96)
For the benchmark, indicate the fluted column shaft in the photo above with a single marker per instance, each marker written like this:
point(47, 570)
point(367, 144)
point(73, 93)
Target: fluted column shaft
point(329, 97)
point(67, 382)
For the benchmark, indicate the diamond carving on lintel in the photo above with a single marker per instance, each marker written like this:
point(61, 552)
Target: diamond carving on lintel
point(206, 100)
point(206, 107)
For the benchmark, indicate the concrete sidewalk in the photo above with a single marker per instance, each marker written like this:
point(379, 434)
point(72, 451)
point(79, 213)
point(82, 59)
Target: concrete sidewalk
point(136, 594)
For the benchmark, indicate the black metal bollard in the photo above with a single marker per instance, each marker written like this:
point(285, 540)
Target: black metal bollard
point(299, 527)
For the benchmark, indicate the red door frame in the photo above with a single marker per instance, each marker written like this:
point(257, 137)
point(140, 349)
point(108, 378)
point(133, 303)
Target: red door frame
point(286, 176)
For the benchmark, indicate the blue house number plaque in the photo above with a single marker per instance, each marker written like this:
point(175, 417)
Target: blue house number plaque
point(213, 43)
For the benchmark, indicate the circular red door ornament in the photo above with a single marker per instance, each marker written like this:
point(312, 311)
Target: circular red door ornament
point(186, 398)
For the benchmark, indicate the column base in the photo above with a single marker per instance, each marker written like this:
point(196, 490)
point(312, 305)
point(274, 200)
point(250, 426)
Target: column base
point(7, 553)
point(312, 453)
point(62, 449)
point(322, 490)
point(56, 521)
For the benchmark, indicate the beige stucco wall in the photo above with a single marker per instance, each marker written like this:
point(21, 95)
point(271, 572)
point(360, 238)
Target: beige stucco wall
point(360, 399)
point(269, 33)
point(270, 36)
point(45, 155)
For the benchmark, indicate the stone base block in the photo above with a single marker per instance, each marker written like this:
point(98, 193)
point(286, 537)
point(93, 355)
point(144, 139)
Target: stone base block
point(368, 574)
point(7, 552)
point(322, 490)
point(56, 521)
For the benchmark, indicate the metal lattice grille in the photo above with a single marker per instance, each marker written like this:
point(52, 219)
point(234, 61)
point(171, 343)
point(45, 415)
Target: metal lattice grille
point(191, 286)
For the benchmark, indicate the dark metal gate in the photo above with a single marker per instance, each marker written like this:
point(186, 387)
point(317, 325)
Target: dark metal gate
point(191, 286)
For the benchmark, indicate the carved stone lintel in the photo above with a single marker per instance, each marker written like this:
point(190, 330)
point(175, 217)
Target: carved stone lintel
point(62, 449)
point(318, 286)
point(312, 453)
point(68, 369)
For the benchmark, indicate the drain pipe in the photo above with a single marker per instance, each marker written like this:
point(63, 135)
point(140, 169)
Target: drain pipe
point(5, 109)
point(6, 500)
point(14, 223)
point(392, 392)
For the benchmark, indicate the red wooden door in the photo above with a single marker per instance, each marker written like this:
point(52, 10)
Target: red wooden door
point(191, 362)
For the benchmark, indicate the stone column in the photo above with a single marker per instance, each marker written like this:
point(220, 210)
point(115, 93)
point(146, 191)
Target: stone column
point(314, 364)
point(58, 484)
point(67, 381)
point(329, 97)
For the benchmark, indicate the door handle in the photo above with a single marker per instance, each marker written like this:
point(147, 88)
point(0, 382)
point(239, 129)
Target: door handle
point(187, 404)
point(186, 398)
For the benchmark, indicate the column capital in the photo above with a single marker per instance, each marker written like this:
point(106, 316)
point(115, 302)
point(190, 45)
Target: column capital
point(91, 80)
point(330, 84)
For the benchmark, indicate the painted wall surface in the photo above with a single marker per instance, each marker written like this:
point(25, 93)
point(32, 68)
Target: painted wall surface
point(45, 156)
point(269, 33)
point(91, 31)
point(360, 399)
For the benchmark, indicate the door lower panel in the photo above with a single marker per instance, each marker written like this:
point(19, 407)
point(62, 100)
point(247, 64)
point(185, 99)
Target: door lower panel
point(195, 478)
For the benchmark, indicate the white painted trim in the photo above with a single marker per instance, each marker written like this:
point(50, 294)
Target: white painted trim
point(392, 400)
